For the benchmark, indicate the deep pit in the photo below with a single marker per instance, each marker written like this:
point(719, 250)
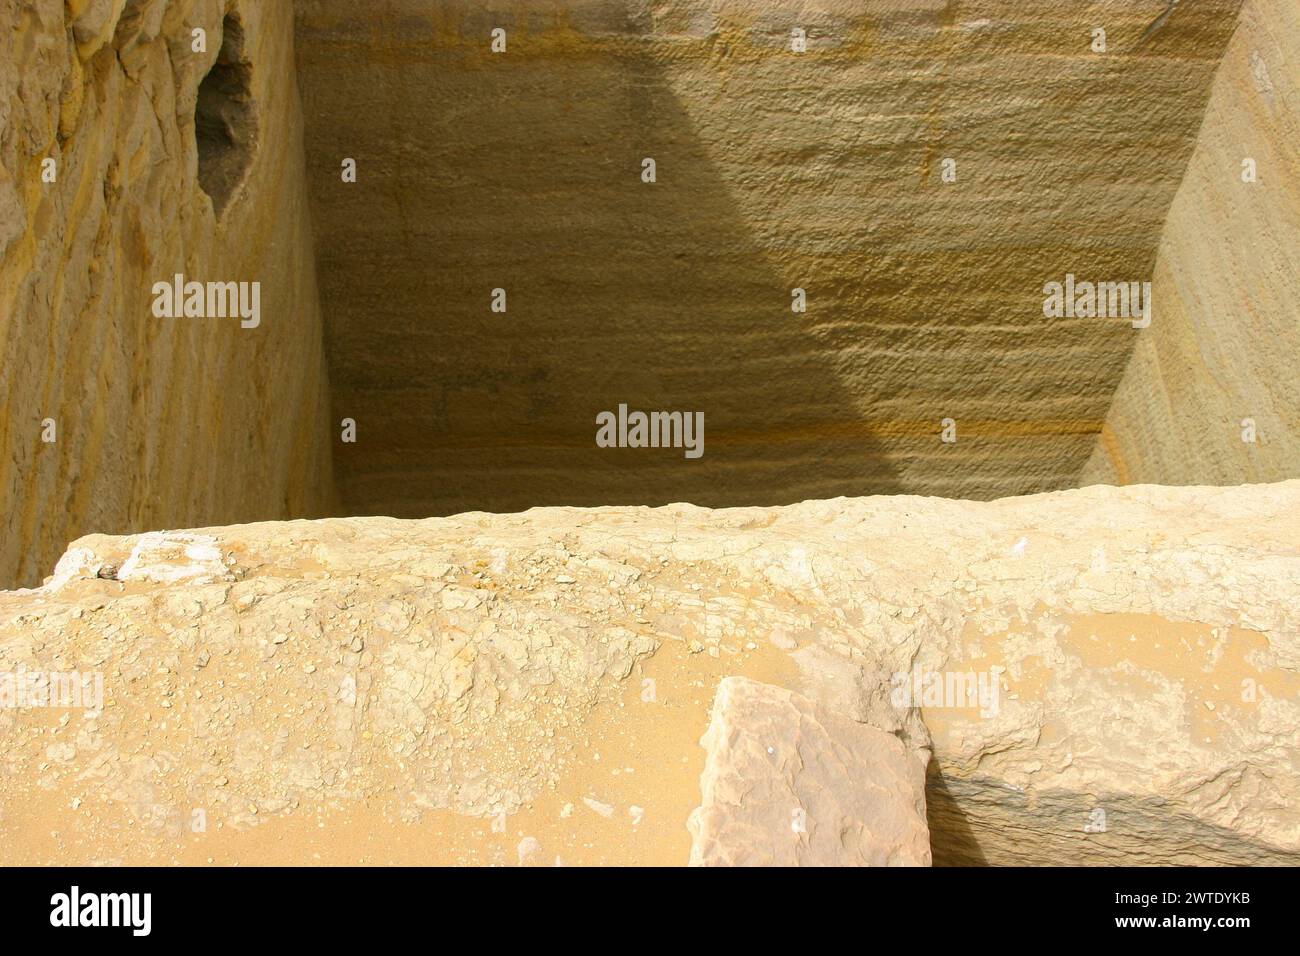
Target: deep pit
point(520, 171)
point(902, 177)
point(501, 270)
point(775, 171)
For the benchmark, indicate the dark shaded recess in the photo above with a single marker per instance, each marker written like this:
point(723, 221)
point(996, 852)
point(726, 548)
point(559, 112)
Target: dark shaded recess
point(619, 292)
point(952, 841)
point(980, 822)
point(225, 123)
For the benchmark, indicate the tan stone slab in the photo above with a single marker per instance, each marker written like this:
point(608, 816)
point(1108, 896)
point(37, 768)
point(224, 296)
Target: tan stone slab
point(789, 783)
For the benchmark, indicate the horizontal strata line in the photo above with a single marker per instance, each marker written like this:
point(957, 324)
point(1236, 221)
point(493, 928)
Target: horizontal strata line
point(404, 491)
point(967, 429)
point(654, 53)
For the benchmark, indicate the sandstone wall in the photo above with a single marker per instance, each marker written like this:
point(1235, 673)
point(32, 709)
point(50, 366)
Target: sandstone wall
point(1223, 343)
point(160, 422)
point(775, 170)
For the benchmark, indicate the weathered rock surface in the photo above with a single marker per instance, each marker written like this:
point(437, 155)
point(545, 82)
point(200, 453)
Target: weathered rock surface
point(143, 406)
point(1118, 674)
point(788, 783)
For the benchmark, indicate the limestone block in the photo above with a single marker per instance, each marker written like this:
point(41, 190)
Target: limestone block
point(1105, 676)
point(787, 783)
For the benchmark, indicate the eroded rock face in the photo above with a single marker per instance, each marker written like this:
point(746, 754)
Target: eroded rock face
point(1105, 675)
point(112, 416)
point(788, 783)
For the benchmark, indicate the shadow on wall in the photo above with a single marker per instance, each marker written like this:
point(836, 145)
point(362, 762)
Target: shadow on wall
point(652, 295)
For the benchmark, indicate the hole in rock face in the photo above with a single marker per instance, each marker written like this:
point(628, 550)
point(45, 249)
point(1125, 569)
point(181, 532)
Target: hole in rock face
point(225, 125)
